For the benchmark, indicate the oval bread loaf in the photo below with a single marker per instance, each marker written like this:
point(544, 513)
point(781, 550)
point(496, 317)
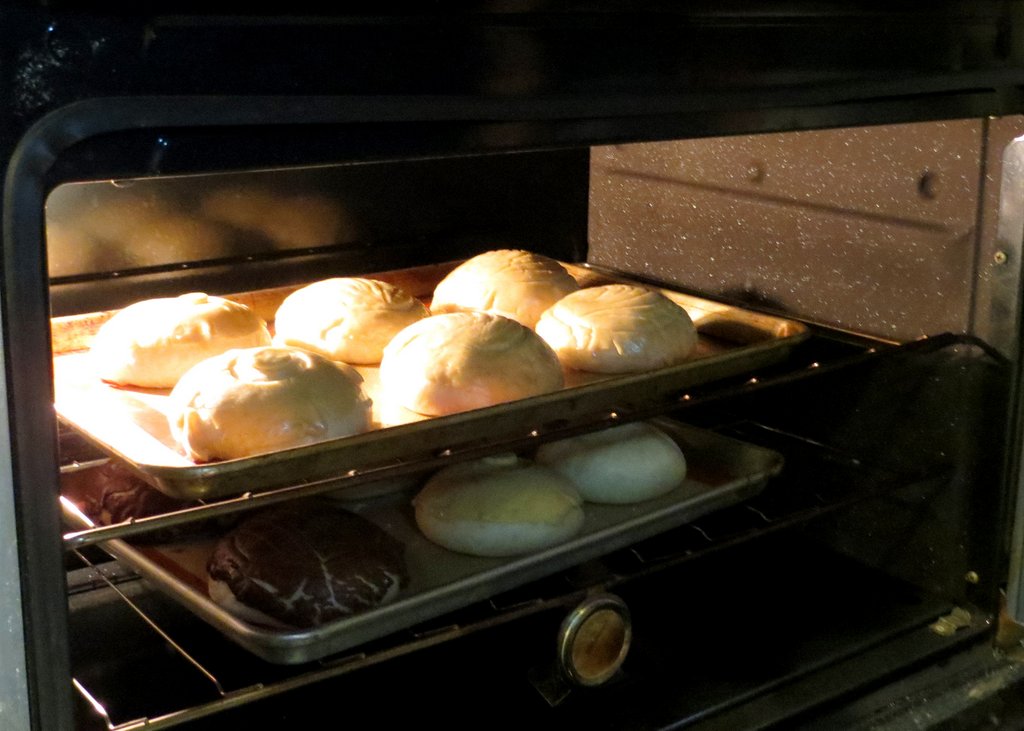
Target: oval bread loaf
point(618, 328)
point(349, 319)
point(624, 464)
point(258, 400)
point(151, 343)
point(498, 506)
point(445, 364)
point(510, 282)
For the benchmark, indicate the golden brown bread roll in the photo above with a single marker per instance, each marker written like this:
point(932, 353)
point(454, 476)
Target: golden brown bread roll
point(498, 506)
point(624, 464)
point(258, 400)
point(150, 344)
point(511, 282)
point(449, 363)
point(349, 319)
point(618, 328)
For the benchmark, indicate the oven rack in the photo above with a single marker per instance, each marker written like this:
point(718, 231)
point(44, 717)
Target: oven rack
point(821, 356)
point(796, 497)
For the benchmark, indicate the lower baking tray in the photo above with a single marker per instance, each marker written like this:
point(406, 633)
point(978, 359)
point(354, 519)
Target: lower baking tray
point(131, 424)
point(721, 471)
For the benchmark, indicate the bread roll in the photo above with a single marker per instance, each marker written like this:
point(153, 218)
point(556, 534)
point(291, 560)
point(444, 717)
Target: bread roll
point(445, 364)
point(118, 495)
point(304, 564)
point(510, 282)
point(349, 319)
point(257, 400)
point(150, 344)
point(498, 506)
point(624, 464)
point(618, 328)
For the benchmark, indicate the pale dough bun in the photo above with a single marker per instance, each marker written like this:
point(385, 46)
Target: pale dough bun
point(618, 328)
point(460, 361)
point(510, 282)
point(259, 400)
point(624, 464)
point(498, 506)
point(151, 343)
point(349, 319)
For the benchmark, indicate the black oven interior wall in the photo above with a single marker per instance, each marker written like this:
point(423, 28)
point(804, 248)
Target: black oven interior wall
point(889, 514)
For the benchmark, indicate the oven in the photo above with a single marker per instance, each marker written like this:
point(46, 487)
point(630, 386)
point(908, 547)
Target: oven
point(833, 193)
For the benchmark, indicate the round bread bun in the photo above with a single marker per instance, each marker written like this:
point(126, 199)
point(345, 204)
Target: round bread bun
point(618, 328)
point(624, 464)
point(511, 282)
point(460, 361)
point(349, 319)
point(150, 344)
point(498, 506)
point(258, 400)
point(304, 564)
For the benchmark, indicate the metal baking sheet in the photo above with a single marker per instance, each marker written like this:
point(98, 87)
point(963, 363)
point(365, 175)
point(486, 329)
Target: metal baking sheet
point(131, 424)
point(721, 471)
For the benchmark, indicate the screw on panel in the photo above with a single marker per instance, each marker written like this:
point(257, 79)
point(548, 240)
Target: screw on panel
point(928, 185)
point(1000, 257)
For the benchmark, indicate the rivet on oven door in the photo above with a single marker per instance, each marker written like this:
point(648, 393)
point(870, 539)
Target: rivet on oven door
point(594, 640)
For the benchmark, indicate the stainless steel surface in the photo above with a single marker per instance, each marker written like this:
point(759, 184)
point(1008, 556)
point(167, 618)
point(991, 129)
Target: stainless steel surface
point(14, 696)
point(722, 471)
point(1010, 235)
point(996, 304)
point(130, 423)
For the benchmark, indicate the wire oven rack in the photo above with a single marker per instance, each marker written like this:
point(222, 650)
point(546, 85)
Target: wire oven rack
point(818, 480)
point(803, 497)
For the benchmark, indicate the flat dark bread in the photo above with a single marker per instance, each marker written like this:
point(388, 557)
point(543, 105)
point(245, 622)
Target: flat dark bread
point(309, 562)
point(117, 494)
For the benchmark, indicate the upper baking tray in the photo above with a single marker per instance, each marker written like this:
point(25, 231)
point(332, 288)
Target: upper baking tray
point(131, 424)
point(721, 471)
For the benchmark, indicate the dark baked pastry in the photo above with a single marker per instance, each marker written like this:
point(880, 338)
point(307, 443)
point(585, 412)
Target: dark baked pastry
point(304, 564)
point(116, 495)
